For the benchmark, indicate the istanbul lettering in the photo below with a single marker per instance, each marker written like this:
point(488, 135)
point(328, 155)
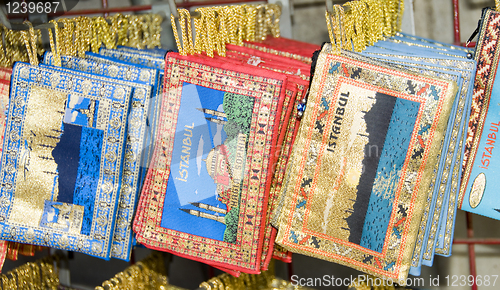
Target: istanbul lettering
point(490, 144)
point(186, 148)
point(337, 122)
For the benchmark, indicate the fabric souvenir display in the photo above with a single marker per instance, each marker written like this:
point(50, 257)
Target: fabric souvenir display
point(243, 146)
point(426, 58)
point(367, 147)
point(478, 191)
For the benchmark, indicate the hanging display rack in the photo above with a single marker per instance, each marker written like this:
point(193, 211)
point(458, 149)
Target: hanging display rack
point(470, 241)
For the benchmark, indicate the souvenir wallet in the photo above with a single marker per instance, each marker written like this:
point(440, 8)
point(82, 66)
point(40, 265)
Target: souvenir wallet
point(295, 88)
point(362, 163)
point(142, 79)
point(65, 135)
point(206, 191)
point(436, 231)
point(478, 191)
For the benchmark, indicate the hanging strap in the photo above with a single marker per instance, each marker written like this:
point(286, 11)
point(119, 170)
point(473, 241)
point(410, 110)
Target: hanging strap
point(30, 38)
point(187, 37)
point(83, 34)
point(54, 44)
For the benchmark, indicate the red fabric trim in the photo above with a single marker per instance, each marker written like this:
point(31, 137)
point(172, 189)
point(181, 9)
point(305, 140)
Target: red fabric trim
point(3, 253)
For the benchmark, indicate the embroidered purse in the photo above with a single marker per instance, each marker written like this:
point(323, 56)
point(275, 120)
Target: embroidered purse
point(295, 91)
point(362, 163)
point(478, 191)
point(143, 81)
point(206, 192)
point(436, 230)
point(65, 136)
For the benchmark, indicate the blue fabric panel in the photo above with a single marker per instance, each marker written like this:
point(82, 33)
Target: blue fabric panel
point(175, 219)
point(388, 173)
point(377, 121)
point(66, 155)
point(88, 174)
point(188, 164)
